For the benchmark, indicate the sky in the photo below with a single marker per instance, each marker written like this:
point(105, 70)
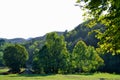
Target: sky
point(33, 18)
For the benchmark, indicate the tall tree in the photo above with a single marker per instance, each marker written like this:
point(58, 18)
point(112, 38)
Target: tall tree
point(105, 12)
point(3, 45)
point(15, 56)
point(2, 42)
point(85, 58)
point(53, 57)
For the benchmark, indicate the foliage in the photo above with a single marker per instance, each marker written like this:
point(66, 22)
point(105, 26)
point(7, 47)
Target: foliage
point(85, 58)
point(33, 47)
point(83, 32)
point(3, 45)
point(1, 51)
point(112, 63)
point(53, 57)
point(106, 12)
point(15, 57)
point(1, 58)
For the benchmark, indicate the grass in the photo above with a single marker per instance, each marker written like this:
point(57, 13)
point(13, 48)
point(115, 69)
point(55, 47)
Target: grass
point(95, 76)
point(3, 70)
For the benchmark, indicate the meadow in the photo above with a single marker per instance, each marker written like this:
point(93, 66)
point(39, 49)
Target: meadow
point(82, 76)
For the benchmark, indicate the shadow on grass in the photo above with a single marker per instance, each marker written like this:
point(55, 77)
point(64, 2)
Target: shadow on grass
point(31, 75)
point(44, 75)
point(85, 74)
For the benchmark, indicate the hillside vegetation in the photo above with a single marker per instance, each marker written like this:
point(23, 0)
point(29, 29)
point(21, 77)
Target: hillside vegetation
point(87, 35)
point(93, 46)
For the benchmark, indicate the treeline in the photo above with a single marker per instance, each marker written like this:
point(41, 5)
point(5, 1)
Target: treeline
point(53, 57)
point(69, 52)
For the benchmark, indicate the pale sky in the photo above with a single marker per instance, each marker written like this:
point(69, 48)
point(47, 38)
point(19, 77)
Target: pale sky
point(34, 18)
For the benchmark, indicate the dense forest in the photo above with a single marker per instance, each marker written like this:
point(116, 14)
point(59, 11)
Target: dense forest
point(92, 46)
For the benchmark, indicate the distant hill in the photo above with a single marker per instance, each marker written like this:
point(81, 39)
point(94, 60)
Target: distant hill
point(17, 40)
point(22, 40)
point(42, 38)
point(81, 32)
point(14, 40)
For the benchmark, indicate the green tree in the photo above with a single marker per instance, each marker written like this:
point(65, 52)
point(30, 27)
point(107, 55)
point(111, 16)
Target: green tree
point(1, 58)
point(105, 12)
point(2, 42)
point(15, 56)
point(85, 58)
point(42, 60)
point(94, 60)
point(112, 63)
point(53, 57)
point(3, 45)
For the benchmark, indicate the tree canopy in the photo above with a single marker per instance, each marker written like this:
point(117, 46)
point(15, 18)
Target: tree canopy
point(52, 57)
point(85, 58)
point(15, 56)
point(105, 12)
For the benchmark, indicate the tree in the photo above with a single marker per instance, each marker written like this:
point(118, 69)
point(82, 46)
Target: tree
point(3, 45)
point(85, 58)
point(33, 46)
point(41, 61)
point(1, 58)
point(2, 42)
point(105, 12)
point(112, 63)
point(78, 55)
point(15, 56)
point(53, 57)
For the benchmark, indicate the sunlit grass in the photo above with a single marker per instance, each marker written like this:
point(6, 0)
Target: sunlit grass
point(83, 76)
point(3, 70)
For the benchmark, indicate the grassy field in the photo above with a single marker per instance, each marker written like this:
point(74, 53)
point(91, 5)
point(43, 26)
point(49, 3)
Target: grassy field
point(95, 76)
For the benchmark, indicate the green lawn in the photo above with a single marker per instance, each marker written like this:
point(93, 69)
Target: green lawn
point(95, 76)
